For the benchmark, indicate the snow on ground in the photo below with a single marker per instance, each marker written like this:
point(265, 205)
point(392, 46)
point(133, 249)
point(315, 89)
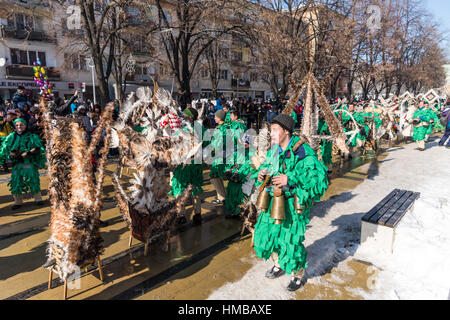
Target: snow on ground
point(418, 268)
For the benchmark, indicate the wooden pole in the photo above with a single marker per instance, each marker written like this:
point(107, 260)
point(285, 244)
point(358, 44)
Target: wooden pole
point(99, 266)
point(50, 279)
point(65, 289)
point(146, 248)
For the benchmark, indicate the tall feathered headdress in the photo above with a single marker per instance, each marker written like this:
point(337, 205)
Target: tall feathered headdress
point(75, 198)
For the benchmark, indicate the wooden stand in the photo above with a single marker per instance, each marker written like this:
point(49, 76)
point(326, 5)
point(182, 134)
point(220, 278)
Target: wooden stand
point(252, 232)
point(145, 247)
point(99, 268)
point(147, 243)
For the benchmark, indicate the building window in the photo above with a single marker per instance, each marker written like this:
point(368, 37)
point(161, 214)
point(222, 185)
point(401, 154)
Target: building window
point(77, 62)
point(27, 57)
point(164, 70)
point(254, 77)
point(32, 56)
point(223, 74)
point(204, 73)
point(41, 56)
point(223, 53)
point(237, 55)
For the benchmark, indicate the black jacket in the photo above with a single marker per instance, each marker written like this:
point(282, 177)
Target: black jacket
point(64, 109)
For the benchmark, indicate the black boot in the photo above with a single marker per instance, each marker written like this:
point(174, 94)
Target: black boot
point(295, 284)
point(16, 206)
point(274, 273)
point(197, 219)
point(181, 220)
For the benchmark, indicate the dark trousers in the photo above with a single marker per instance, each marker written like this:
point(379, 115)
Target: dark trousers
point(445, 138)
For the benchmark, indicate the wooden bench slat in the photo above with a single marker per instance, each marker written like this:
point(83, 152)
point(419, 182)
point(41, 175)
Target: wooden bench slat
point(382, 211)
point(379, 205)
point(394, 208)
point(395, 219)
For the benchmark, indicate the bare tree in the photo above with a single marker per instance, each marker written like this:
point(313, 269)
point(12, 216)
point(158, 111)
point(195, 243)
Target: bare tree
point(189, 28)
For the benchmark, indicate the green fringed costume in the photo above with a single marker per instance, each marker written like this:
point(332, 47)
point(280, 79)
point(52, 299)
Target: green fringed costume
point(359, 118)
point(228, 117)
point(437, 123)
point(420, 132)
point(25, 171)
point(326, 147)
point(186, 175)
point(307, 178)
point(294, 116)
point(238, 170)
point(219, 141)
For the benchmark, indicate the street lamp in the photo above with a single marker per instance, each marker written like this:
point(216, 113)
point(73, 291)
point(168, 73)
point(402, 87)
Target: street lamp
point(2, 62)
point(91, 65)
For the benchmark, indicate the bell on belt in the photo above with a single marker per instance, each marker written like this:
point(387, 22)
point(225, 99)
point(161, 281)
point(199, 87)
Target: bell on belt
point(263, 200)
point(298, 208)
point(277, 211)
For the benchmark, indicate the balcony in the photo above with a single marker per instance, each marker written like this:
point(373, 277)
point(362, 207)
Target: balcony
point(242, 83)
point(17, 71)
point(30, 35)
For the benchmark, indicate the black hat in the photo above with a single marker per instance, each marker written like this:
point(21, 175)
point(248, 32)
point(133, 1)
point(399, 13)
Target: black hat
point(285, 121)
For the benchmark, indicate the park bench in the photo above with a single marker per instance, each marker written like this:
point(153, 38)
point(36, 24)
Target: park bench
point(381, 221)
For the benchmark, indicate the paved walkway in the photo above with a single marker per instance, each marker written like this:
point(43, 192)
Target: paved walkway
point(200, 259)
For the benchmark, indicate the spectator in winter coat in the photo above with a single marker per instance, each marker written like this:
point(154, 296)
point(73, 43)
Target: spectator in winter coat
point(19, 98)
point(85, 122)
point(62, 108)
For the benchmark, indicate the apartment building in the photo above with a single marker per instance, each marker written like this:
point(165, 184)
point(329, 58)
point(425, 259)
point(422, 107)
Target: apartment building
point(28, 32)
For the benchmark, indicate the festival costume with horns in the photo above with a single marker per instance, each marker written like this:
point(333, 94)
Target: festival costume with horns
point(422, 126)
point(217, 173)
point(437, 123)
point(185, 176)
point(326, 147)
point(307, 181)
point(362, 134)
point(28, 155)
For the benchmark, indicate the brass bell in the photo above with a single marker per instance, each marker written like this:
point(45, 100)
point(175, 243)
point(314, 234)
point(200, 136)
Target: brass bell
point(297, 207)
point(278, 209)
point(263, 200)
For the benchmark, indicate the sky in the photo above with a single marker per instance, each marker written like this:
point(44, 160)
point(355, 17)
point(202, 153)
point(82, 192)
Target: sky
point(441, 11)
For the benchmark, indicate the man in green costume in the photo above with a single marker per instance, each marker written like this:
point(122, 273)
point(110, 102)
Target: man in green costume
point(226, 108)
point(326, 146)
point(26, 151)
point(192, 174)
point(293, 173)
point(421, 121)
point(218, 144)
point(237, 169)
point(435, 123)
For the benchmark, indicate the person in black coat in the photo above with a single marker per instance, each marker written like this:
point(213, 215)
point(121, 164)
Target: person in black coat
point(62, 108)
